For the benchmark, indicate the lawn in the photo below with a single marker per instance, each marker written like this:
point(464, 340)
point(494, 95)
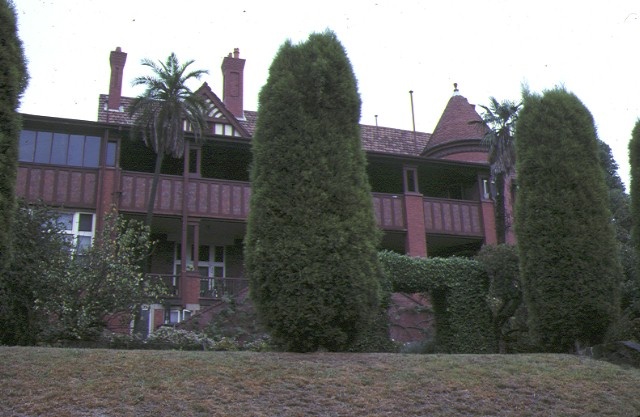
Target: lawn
point(84, 382)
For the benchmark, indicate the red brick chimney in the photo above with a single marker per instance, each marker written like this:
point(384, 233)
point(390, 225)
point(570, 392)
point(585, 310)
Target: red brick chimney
point(233, 76)
point(117, 60)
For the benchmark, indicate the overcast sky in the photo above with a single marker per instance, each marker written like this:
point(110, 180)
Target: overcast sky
point(490, 48)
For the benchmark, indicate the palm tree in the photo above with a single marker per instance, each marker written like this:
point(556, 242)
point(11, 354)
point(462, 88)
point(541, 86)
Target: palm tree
point(163, 111)
point(501, 118)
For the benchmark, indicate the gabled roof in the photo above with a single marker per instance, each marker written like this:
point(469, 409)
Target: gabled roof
point(218, 113)
point(459, 122)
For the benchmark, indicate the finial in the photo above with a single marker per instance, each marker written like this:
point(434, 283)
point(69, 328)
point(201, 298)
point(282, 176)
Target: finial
point(455, 89)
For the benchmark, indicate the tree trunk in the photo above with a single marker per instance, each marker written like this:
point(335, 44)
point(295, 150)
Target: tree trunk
point(137, 317)
point(154, 189)
point(500, 209)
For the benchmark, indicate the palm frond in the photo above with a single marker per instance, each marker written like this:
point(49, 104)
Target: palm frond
point(167, 102)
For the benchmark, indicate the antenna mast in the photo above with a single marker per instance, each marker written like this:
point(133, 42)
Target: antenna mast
point(413, 118)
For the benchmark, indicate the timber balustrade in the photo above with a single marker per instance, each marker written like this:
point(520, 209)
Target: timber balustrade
point(453, 217)
point(205, 197)
point(57, 185)
point(222, 199)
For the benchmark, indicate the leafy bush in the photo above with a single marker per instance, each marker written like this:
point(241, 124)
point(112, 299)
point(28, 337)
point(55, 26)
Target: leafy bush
point(171, 338)
point(40, 255)
point(105, 279)
point(504, 298)
point(54, 291)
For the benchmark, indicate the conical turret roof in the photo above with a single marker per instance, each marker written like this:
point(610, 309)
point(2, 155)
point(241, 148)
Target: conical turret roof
point(459, 125)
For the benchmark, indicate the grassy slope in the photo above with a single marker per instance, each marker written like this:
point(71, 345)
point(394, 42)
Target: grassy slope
point(75, 382)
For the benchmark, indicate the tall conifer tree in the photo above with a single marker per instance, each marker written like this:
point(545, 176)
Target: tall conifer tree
point(13, 81)
point(634, 188)
point(311, 244)
point(568, 255)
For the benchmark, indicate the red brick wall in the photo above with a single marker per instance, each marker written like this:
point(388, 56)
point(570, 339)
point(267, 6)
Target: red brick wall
point(190, 288)
point(489, 223)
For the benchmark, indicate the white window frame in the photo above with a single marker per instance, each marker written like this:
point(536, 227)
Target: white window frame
point(74, 228)
point(180, 315)
point(211, 264)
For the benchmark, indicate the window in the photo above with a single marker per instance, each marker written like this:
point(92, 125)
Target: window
point(110, 160)
point(211, 266)
point(62, 149)
point(79, 227)
point(174, 316)
point(410, 180)
point(211, 260)
point(488, 188)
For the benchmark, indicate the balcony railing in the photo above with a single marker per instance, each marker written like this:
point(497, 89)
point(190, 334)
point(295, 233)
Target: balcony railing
point(205, 197)
point(453, 217)
point(441, 216)
point(212, 198)
point(389, 210)
point(170, 282)
point(57, 185)
point(218, 288)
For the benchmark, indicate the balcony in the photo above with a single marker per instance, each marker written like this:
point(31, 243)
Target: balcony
point(453, 217)
point(221, 199)
point(207, 198)
point(211, 198)
point(57, 185)
point(219, 288)
point(441, 216)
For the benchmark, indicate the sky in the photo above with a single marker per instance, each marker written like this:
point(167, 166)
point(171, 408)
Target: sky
point(491, 48)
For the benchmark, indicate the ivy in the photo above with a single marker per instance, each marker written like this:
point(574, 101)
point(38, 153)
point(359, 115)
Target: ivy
point(458, 287)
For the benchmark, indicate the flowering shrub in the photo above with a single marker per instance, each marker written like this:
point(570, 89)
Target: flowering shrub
point(171, 338)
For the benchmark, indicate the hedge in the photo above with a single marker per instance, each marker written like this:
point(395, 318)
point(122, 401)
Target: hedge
point(458, 289)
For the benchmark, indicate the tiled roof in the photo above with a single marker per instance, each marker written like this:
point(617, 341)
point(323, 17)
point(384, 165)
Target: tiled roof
point(114, 116)
point(374, 139)
point(453, 126)
point(250, 121)
point(392, 141)
point(459, 121)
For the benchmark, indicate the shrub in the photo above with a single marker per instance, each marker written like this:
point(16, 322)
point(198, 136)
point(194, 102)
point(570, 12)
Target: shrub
point(504, 298)
point(311, 239)
point(569, 259)
point(172, 338)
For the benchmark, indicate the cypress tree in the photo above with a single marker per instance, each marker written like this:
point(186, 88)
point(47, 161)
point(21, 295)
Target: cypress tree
point(634, 186)
point(568, 255)
point(13, 81)
point(311, 244)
